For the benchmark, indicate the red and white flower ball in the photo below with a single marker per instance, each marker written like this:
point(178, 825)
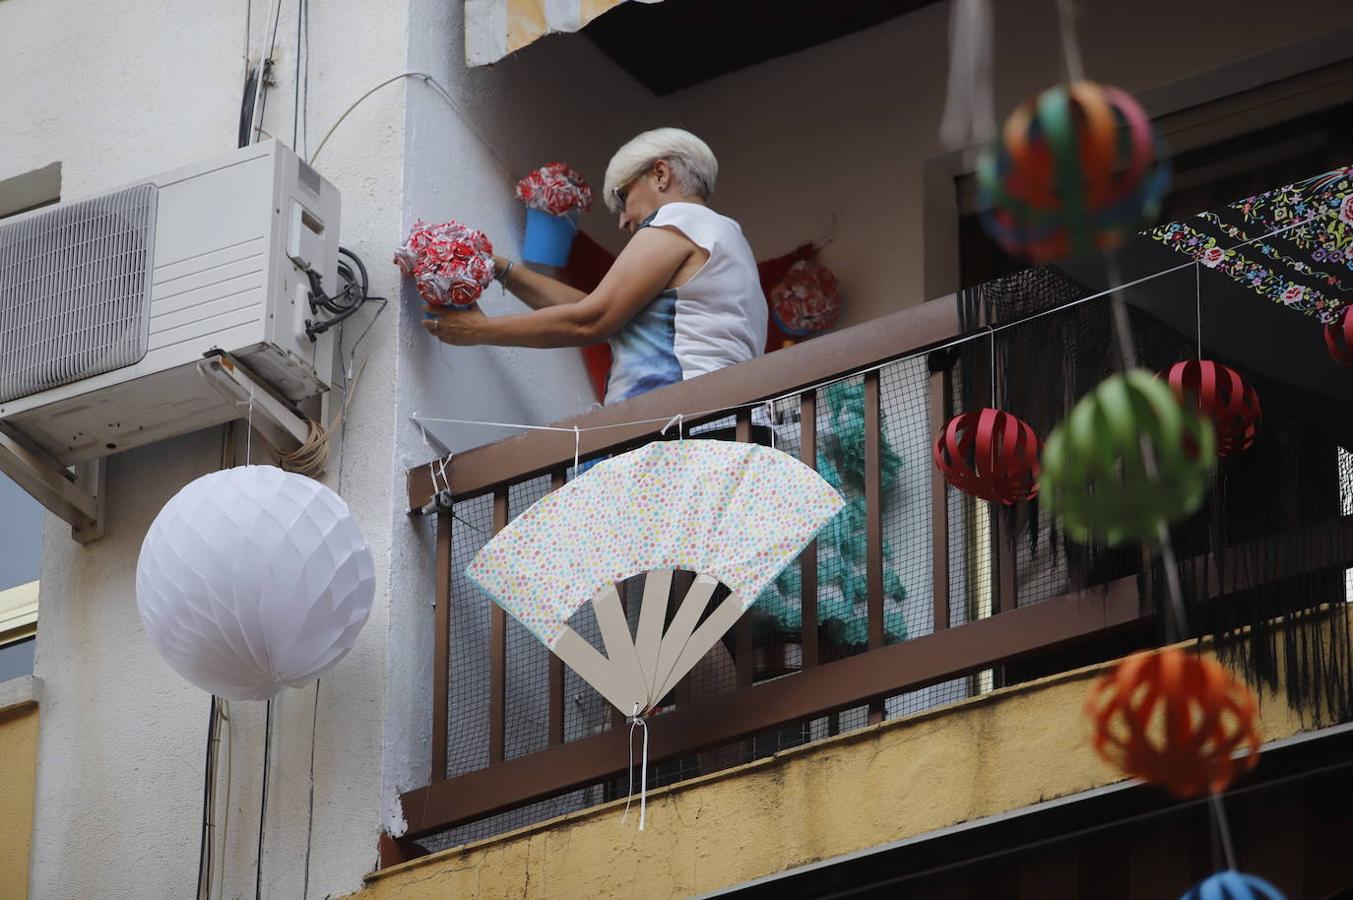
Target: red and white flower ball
point(1339, 338)
point(807, 300)
point(556, 189)
point(450, 263)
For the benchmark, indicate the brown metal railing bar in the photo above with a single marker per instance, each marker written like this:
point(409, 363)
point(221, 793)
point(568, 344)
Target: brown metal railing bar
point(779, 374)
point(825, 689)
point(873, 517)
point(939, 513)
point(808, 559)
point(746, 653)
point(498, 651)
point(441, 654)
point(556, 682)
point(873, 499)
point(1005, 540)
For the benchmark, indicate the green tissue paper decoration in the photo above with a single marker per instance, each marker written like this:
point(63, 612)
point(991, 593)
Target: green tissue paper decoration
point(843, 590)
point(1094, 470)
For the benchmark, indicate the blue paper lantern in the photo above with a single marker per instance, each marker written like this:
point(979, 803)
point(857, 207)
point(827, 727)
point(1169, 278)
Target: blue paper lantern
point(1233, 885)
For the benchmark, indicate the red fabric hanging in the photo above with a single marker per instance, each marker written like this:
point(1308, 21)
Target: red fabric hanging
point(588, 263)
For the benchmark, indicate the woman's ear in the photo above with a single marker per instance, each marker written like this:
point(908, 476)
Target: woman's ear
point(663, 174)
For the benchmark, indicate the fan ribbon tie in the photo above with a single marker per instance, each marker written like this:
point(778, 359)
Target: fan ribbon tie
point(637, 721)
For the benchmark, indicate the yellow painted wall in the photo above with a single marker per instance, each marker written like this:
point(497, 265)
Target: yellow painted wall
point(1002, 751)
point(18, 766)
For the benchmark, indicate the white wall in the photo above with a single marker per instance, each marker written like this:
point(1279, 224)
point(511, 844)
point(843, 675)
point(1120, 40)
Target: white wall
point(850, 127)
point(117, 91)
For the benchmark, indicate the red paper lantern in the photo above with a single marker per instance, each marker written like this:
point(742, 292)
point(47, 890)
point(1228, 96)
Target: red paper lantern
point(1339, 339)
point(1174, 719)
point(991, 455)
point(1222, 395)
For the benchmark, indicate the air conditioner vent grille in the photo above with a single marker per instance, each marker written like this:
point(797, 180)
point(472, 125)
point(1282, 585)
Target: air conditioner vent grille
point(75, 291)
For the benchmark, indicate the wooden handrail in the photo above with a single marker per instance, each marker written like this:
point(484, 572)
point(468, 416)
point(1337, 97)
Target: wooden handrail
point(869, 676)
point(895, 668)
point(831, 356)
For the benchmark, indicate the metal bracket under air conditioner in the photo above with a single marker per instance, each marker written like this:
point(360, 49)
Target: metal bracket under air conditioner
point(275, 419)
point(76, 496)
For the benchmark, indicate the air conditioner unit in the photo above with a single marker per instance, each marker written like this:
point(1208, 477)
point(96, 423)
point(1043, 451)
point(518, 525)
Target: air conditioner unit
point(109, 306)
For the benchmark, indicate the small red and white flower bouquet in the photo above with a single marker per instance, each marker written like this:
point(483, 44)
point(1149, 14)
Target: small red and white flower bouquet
point(807, 300)
point(451, 263)
point(555, 189)
point(555, 195)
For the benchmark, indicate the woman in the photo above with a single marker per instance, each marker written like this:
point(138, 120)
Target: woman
point(682, 299)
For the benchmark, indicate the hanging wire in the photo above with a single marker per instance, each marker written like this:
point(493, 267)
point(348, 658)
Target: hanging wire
point(1071, 49)
point(1198, 305)
point(310, 820)
point(263, 803)
point(1224, 829)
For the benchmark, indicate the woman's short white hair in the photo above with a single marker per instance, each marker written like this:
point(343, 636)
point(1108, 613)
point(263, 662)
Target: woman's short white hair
point(692, 163)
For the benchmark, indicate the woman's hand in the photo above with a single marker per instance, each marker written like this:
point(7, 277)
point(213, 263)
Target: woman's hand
point(460, 327)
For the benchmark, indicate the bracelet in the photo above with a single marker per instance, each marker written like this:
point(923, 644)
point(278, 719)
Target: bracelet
point(501, 277)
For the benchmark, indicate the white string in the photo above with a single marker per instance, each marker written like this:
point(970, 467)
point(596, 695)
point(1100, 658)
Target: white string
point(770, 421)
point(249, 427)
point(577, 448)
point(969, 105)
point(1227, 849)
point(1071, 50)
point(987, 333)
point(637, 721)
point(1198, 305)
point(992, 349)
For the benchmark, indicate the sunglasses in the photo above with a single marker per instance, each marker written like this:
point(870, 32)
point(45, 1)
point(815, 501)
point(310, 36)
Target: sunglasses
point(621, 194)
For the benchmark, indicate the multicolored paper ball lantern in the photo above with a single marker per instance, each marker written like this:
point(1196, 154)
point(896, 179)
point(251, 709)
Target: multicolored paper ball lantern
point(1221, 394)
point(1174, 719)
point(1339, 339)
point(1096, 475)
point(1076, 169)
point(989, 454)
point(807, 300)
point(1233, 885)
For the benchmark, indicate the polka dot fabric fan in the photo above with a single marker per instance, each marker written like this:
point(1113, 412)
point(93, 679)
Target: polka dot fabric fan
point(732, 513)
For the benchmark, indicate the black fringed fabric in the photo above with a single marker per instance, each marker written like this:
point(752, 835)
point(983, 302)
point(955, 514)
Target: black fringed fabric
point(1272, 542)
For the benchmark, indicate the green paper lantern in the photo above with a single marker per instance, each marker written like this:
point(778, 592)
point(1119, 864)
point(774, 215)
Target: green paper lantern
point(1094, 472)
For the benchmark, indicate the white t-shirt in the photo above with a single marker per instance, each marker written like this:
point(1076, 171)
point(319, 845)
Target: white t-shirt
point(715, 319)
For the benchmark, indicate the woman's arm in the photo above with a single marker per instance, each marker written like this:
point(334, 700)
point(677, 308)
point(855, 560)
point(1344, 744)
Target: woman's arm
point(535, 290)
point(644, 268)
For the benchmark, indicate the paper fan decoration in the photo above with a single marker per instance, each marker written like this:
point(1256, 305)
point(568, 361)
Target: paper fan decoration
point(733, 513)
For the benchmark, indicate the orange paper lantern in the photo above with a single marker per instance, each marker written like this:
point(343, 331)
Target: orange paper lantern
point(1175, 719)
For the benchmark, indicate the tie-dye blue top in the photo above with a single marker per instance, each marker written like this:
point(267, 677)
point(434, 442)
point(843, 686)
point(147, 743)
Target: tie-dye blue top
point(717, 318)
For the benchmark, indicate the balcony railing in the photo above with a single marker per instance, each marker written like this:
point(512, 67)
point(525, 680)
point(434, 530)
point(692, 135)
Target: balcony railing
point(970, 609)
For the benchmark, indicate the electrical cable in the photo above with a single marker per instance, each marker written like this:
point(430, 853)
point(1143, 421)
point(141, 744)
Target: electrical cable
point(296, 86)
point(263, 803)
point(447, 98)
point(247, 106)
point(265, 67)
point(310, 821)
point(223, 711)
point(204, 841)
point(305, 91)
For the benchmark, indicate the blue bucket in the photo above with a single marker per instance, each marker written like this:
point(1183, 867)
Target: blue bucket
point(548, 238)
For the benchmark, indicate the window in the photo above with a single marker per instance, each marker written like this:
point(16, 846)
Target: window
point(20, 514)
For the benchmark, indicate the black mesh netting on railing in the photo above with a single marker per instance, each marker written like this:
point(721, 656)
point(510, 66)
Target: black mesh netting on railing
point(1297, 481)
point(1292, 484)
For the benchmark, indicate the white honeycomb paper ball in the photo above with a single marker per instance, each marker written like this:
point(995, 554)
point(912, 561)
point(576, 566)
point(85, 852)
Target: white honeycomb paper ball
point(253, 578)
